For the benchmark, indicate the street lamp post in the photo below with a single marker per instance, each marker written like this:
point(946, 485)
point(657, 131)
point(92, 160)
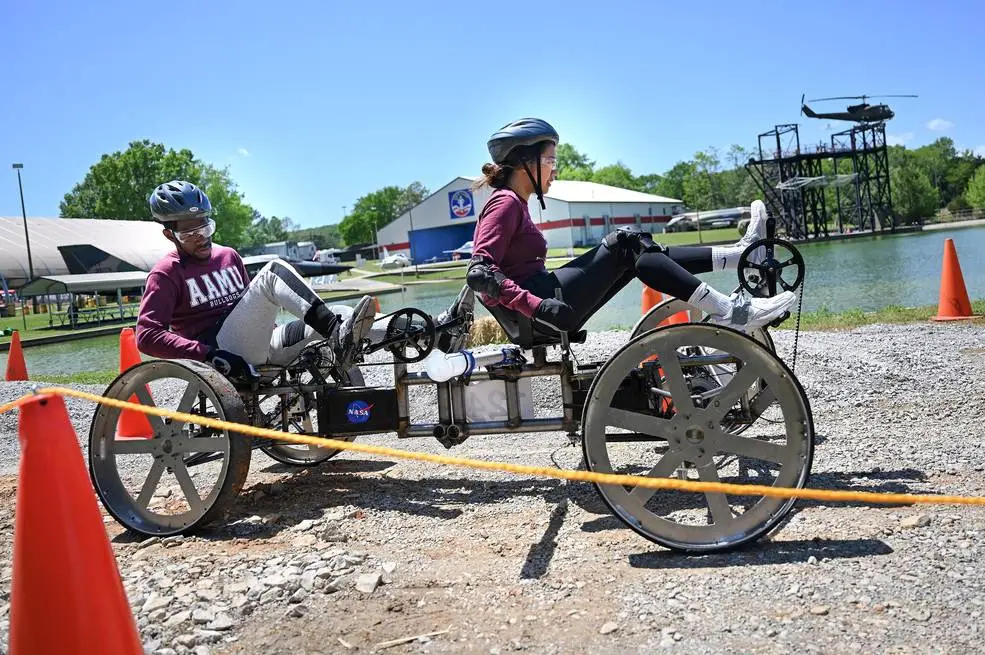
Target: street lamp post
point(27, 239)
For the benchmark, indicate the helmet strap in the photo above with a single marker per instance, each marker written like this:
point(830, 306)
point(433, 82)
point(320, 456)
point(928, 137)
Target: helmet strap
point(537, 183)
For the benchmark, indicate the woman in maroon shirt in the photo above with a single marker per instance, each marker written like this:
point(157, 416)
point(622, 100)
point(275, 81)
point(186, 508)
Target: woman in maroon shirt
point(508, 250)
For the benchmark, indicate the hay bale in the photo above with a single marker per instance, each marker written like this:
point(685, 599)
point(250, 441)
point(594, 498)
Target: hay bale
point(485, 331)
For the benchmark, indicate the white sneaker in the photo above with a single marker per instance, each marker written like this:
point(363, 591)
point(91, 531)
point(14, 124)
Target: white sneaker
point(726, 258)
point(749, 313)
point(355, 328)
point(755, 231)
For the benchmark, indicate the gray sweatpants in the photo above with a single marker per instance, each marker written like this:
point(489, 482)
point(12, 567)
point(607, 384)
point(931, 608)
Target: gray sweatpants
point(250, 331)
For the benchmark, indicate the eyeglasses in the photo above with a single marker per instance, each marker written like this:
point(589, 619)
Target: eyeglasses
point(200, 232)
point(550, 161)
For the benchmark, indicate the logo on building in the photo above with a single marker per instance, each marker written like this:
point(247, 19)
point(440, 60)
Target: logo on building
point(358, 411)
point(460, 203)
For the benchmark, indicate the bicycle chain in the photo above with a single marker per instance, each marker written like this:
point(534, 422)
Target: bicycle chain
point(800, 313)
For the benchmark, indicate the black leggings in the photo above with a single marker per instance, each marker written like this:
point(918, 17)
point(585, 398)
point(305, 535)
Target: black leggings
point(588, 282)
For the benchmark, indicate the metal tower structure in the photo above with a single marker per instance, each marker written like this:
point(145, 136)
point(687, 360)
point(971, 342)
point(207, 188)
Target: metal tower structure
point(797, 182)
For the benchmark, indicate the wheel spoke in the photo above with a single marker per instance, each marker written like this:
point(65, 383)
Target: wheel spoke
point(188, 399)
point(150, 484)
point(199, 445)
point(138, 446)
point(730, 394)
point(188, 487)
point(636, 421)
point(667, 465)
point(749, 447)
point(721, 513)
point(674, 374)
point(156, 422)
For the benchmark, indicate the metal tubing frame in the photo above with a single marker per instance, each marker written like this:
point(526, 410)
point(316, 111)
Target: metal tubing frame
point(451, 401)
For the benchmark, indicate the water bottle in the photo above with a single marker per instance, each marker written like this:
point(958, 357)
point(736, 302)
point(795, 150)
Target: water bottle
point(442, 367)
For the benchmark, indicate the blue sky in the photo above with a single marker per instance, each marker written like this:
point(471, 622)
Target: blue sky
point(314, 103)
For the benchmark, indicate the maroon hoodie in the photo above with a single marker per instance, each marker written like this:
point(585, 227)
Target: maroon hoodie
point(184, 298)
point(507, 235)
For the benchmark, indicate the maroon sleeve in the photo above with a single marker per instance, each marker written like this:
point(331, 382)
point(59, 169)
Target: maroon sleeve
point(500, 219)
point(153, 336)
point(242, 268)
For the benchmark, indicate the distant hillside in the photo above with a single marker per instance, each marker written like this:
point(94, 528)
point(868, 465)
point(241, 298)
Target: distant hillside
point(325, 236)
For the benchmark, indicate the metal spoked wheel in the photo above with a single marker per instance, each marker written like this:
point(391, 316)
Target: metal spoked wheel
point(174, 477)
point(693, 439)
point(303, 418)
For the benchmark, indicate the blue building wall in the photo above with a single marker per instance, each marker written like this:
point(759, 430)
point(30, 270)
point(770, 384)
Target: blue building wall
point(431, 242)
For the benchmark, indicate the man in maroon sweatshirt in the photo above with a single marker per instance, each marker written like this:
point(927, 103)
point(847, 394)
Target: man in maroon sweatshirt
point(199, 303)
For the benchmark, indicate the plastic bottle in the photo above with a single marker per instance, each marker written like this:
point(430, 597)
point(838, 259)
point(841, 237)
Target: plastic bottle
point(442, 367)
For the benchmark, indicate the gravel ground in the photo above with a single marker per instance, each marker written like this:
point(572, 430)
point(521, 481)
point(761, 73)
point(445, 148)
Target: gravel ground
point(363, 550)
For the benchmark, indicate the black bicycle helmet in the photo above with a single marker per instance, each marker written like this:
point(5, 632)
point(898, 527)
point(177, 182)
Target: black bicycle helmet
point(177, 200)
point(523, 132)
point(518, 134)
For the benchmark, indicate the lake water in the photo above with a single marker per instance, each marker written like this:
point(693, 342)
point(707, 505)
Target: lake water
point(866, 273)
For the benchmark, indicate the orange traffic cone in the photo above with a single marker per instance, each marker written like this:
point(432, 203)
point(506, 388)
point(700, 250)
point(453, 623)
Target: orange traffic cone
point(131, 424)
point(953, 304)
point(64, 568)
point(16, 366)
point(652, 297)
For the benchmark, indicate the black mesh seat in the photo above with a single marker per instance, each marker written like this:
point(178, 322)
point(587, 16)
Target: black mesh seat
point(522, 332)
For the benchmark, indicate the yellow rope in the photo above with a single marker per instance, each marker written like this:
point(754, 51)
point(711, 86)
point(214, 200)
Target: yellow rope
point(542, 471)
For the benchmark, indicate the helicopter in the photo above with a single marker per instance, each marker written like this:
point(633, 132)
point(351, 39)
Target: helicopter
point(860, 113)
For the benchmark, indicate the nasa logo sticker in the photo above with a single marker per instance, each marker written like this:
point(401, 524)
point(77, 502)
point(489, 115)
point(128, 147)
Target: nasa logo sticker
point(460, 203)
point(358, 411)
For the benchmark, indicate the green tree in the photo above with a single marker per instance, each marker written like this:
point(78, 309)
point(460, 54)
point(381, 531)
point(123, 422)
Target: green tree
point(378, 209)
point(913, 195)
point(413, 195)
point(975, 193)
point(671, 185)
point(119, 185)
point(232, 215)
point(649, 183)
point(573, 165)
point(702, 186)
point(617, 175)
point(369, 214)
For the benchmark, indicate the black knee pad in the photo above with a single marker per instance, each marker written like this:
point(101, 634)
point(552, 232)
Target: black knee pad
point(631, 242)
point(481, 278)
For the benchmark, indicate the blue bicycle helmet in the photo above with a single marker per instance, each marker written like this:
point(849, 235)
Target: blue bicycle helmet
point(523, 132)
point(179, 200)
point(520, 134)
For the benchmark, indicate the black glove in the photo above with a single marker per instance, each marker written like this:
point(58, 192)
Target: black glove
point(557, 314)
point(230, 365)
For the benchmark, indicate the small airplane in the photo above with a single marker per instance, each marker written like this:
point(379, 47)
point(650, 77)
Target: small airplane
point(254, 263)
point(860, 113)
point(396, 260)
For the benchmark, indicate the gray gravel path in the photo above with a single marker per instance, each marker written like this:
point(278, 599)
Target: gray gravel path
point(363, 550)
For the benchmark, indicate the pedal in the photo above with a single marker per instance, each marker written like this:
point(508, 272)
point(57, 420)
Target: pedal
point(776, 322)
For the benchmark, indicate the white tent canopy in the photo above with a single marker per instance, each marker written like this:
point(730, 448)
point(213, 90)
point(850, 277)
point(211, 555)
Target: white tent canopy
point(86, 283)
point(139, 243)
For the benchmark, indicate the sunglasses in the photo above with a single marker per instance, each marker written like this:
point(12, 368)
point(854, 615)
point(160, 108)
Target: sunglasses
point(196, 233)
